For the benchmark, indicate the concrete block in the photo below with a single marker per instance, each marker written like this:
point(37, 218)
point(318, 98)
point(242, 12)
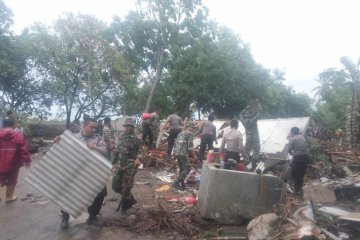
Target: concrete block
point(319, 193)
point(228, 196)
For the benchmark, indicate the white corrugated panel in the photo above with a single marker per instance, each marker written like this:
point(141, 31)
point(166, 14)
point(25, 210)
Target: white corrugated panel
point(273, 132)
point(70, 174)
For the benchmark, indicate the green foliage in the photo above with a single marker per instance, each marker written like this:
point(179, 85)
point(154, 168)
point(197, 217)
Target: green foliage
point(19, 89)
point(155, 35)
point(222, 76)
point(317, 153)
point(338, 104)
point(334, 95)
point(83, 71)
point(83, 65)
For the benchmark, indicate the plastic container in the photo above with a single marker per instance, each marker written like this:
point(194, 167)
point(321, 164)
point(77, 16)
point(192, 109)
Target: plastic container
point(222, 164)
point(210, 156)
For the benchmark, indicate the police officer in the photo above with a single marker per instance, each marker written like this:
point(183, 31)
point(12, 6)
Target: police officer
point(175, 124)
point(126, 160)
point(298, 149)
point(96, 143)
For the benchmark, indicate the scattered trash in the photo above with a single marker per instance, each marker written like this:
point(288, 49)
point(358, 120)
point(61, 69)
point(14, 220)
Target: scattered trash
point(304, 230)
point(193, 176)
point(162, 188)
point(155, 220)
point(187, 200)
point(165, 176)
point(261, 226)
point(305, 213)
point(35, 199)
point(330, 235)
point(343, 236)
point(337, 212)
point(355, 217)
point(142, 183)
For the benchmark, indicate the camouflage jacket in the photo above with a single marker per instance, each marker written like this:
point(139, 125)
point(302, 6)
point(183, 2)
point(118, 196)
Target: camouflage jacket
point(127, 151)
point(184, 143)
point(249, 119)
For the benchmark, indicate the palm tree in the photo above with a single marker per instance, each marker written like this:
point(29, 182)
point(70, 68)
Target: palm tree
point(353, 117)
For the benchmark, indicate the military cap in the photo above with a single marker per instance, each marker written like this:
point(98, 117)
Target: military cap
point(129, 122)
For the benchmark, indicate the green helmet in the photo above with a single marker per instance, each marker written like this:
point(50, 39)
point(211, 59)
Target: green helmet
point(129, 122)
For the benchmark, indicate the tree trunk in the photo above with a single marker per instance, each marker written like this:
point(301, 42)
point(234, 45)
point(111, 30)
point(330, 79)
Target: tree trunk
point(68, 118)
point(155, 83)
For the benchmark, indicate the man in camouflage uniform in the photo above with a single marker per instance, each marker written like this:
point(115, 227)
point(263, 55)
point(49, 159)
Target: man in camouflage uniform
point(126, 160)
point(183, 146)
point(108, 136)
point(249, 117)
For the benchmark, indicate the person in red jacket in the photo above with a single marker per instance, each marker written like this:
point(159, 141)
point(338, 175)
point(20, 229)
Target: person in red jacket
point(14, 154)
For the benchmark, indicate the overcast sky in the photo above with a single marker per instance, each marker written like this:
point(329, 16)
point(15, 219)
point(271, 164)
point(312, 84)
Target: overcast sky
point(303, 37)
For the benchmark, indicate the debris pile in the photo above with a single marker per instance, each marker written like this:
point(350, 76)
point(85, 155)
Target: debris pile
point(39, 145)
point(329, 207)
point(161, 220)
point(157, 158)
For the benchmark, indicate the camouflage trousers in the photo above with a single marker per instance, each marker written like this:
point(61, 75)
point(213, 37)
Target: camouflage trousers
point(120, 179)
point(184, 166)
point(253, 144)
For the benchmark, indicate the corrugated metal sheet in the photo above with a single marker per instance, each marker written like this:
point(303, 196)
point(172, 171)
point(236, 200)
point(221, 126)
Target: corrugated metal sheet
point(272, 132)
point(70, 174)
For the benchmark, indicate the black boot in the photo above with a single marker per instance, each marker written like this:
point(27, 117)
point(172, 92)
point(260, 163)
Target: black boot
point(128, 203)
point(179, 185)
point(93, 220)
point(183, 186)
point(65, 220)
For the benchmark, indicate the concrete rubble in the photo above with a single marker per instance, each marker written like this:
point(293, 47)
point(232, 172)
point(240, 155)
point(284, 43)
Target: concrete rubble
point(225, 195)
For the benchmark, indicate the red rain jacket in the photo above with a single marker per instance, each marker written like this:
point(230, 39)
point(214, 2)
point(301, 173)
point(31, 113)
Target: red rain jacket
point(13, 150)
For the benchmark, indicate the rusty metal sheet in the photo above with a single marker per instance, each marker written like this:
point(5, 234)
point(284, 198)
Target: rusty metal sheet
point(70, 174)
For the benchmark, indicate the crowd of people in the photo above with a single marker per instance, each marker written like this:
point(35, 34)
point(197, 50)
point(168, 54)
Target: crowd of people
point(126, 151)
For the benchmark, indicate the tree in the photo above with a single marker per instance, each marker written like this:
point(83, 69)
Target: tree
point(220, 75)
point(156, 34)
point(353, 118)
point(20, 91)
point(338, 104)
point(76, 60)
point(333, 96)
